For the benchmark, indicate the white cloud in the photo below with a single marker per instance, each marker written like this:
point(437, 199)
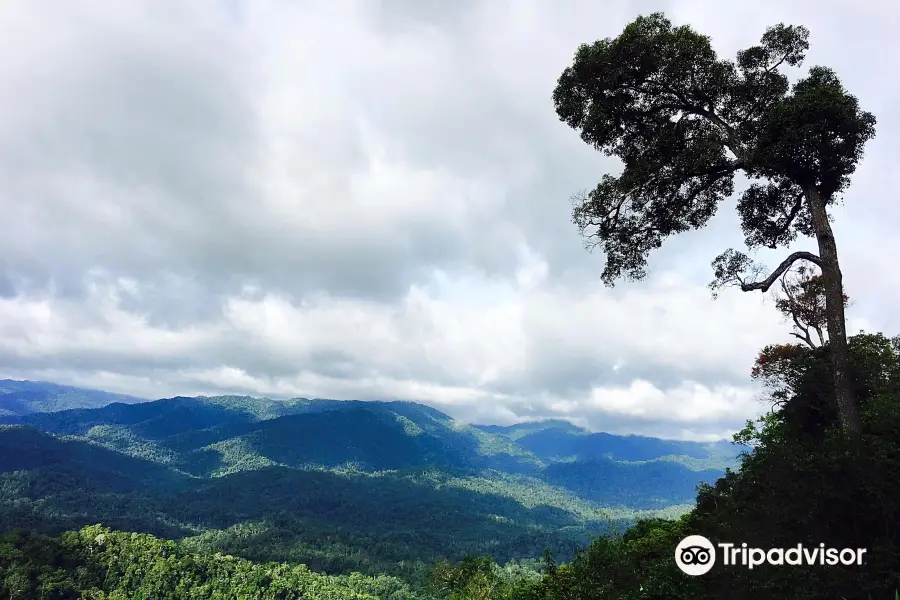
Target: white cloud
point(335, 200)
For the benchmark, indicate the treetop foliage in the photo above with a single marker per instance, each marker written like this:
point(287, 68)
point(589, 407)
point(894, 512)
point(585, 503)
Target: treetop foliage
point(684, 121)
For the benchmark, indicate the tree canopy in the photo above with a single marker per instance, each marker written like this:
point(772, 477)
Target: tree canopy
point(684, 122)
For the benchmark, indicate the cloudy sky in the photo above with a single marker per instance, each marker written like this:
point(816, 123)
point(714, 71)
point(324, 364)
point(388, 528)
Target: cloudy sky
point(370, 199)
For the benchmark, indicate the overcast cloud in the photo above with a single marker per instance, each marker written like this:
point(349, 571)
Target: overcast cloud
point(369, 200)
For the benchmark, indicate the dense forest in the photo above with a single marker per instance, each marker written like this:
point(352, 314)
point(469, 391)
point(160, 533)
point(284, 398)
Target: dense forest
point(802, 481)
point(371, 487)
point(246, 498)
point(97, 563)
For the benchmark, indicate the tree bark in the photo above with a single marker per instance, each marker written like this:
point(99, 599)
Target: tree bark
point(835, 319)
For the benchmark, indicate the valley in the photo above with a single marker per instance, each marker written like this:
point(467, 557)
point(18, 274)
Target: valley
point(340, 486)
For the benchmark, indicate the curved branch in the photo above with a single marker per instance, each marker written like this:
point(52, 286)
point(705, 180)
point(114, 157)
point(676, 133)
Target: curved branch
point(805, 338)
point(790, 217)
point(766, 283)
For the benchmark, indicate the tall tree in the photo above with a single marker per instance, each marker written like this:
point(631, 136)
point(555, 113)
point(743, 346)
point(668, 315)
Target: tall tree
point(684, 122)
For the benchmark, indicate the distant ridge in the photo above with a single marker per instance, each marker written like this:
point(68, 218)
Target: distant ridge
point(26, 397)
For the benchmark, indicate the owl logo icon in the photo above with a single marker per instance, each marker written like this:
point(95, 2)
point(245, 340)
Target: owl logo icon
point(695, 555)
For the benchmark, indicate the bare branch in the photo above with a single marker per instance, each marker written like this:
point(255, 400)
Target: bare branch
point(804, 338)
point(821, 336)
point(766, 283)
point(804, 330)
point(786, 288)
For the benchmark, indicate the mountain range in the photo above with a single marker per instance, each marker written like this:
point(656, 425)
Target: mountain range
point(24, 397)
point(339, 485)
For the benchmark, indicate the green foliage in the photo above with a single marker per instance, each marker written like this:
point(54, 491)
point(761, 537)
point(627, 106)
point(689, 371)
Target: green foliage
point(480, 579)
point(801, 373)
point(683, 122)
point(339, 487)
point(342, 487)
point(799, 481)
point(792, 487)
point(364, 489)
point(649, 485)
point(815, 136)
point(331, 521)
point(639, 97)
point(98, 563)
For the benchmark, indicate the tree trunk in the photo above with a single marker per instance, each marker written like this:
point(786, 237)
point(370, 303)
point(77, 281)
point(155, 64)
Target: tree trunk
point(834, 312)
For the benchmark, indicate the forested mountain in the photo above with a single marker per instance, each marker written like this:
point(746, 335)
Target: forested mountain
point(341, 486)
point(306, 496)
point(25, 397)
point(332, 520)
point(643, 486)
point(555, 441)
point(194, 433)
point(270, 531)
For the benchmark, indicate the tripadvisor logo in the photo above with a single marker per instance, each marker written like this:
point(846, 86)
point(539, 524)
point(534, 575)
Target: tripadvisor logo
point(696, 555)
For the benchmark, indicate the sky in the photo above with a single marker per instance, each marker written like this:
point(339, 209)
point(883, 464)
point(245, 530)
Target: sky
point(371, 200)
